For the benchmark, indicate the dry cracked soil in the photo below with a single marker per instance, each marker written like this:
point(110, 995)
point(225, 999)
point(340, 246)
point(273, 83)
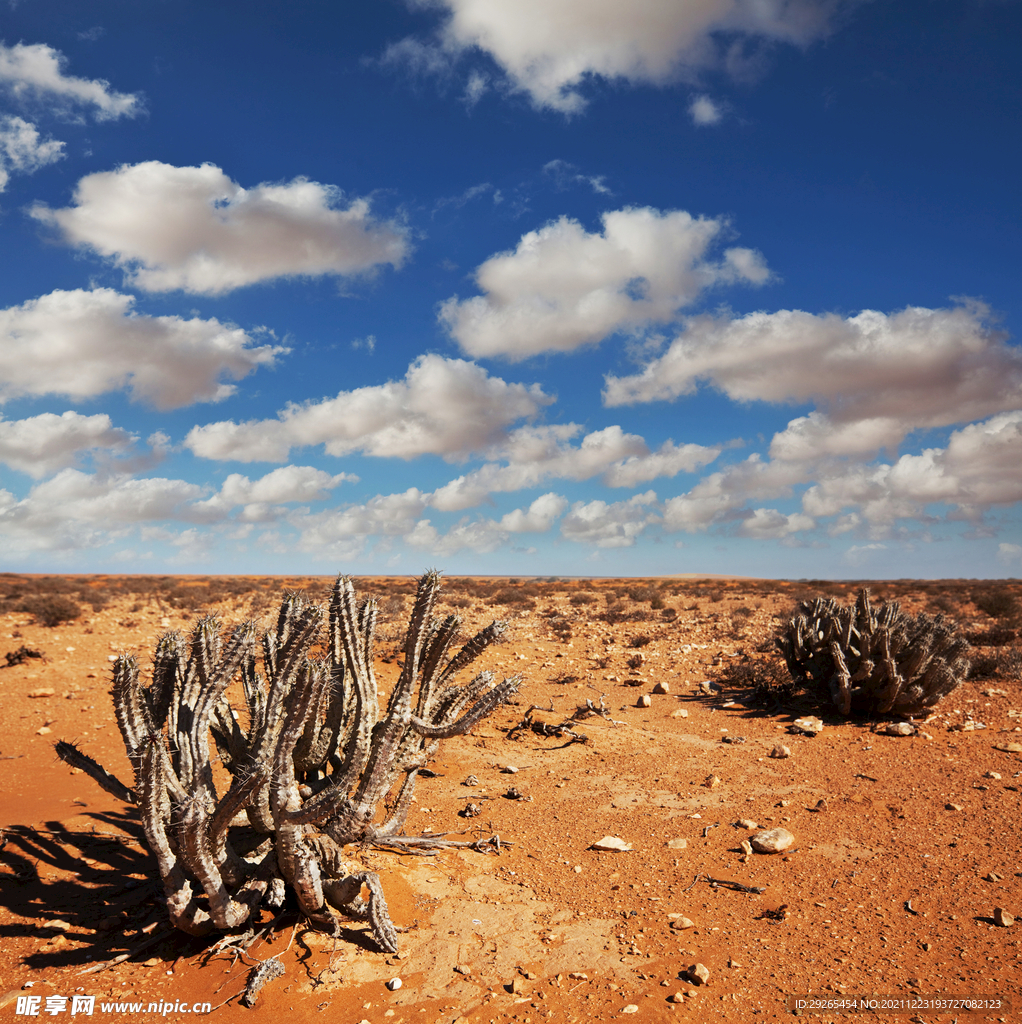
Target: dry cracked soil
point(904, 861)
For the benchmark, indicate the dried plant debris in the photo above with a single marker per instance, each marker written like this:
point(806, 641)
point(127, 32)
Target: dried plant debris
point(873, 661)
point(311, 763)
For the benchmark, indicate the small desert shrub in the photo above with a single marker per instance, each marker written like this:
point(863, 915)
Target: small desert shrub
point(873, 661)
point(641, 640)
point(991, 638)
point(580, 599)
point(768, 680)
point(996, 603)
point(50, 609)
point(512, 596)
point(669, 613)
point(657, 604)
point(716, 595)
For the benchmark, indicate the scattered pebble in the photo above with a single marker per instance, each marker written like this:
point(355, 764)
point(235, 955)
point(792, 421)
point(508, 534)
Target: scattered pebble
point(677, 844)
point(1002, 918)
point(43, 731)
point(682, 924)
point(41, 693)
point(462, 969)
point(1009, 748)
point(644, 701)
point(394, 984)
point(992, 775)
point(471, 780)
point(680, 713)
point(509, 769)
point(898, 729)
point(953, 807)
point(678, 997)
point(780, 750)
point(821, 806)
point(809, 726)
point(578, 976)
point(630, 1008)
point(698, 974)
point(610, 844)
point(662, 688)
point(746, 847)
point(747, 823)
point(773, 840)
point(732, 739)
point(711, 782)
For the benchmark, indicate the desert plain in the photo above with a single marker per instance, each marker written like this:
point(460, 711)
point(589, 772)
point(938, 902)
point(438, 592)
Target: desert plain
point(632, 723)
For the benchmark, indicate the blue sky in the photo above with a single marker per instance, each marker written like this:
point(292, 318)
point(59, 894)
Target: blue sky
point(546, 288)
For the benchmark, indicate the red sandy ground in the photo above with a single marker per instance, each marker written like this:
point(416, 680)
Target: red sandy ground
point(889, 891)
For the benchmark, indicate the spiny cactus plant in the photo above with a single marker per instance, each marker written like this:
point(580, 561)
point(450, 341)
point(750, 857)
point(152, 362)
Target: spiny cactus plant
point(873, 661)
point(310, 764)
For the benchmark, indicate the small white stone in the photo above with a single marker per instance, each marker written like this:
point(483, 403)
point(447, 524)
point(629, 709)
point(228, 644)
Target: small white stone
point(677, 844)
point(747, 823)
point(780, 750)
point(394, 984)
point(644, 701)
point(773, 840)
point(611, 843)
point(630, 1008)
point(810, 724)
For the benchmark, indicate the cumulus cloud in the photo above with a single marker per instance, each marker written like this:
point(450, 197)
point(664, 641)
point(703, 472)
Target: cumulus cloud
point(720, 497)
point(535, 454)
point(84, 343)
point(549, 48)
point(538, 518)
point(262, 500)
point(876, 376)
point(981, 467)
point(769, 524)
point(192, 228)
point(344, 532)
point(446, 407)
point(43, 444)
point(564, 287)
point(704, 111)
point(22, 150)
point(73, 510)
point(614, 525)
point(36, 72)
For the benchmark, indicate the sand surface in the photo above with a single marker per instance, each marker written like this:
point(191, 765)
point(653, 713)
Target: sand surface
point(904, 846)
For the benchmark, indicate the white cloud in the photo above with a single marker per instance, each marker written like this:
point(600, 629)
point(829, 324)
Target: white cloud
point(345, 532)
point(718, 498)
point(22, 150)
point(539, 517)
point(614, 525)
point(74, 510)
point(192, 228)
point(535, 454)
point(981, 467)
point(550, 48)
point(564, 287)
point(445, 407)
point(704, 111)
point(769, 524)
point(84, 343)
point(43, 444)
point(877, 376)
point(565, 175)
point(36, 72)
point(262, 499)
